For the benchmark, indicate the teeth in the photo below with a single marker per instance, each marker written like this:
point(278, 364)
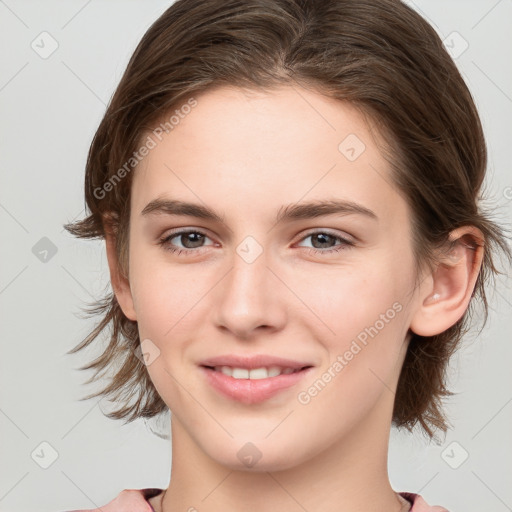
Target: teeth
point(240, 373)
point(255, 373)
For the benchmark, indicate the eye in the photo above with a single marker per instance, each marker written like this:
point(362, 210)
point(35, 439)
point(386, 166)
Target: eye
point(322, 242)
point(190, 239)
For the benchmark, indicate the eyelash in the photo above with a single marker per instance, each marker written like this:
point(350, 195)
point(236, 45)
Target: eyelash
point(345, 243)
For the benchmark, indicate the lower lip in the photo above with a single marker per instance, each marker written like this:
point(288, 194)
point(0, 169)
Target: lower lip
point(252, 391)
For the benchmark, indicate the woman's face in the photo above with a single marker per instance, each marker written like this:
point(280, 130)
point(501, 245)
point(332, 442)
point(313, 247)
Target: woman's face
point(326, 287)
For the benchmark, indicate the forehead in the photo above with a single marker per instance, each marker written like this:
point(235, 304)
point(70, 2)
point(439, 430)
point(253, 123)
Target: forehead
point(256, 148)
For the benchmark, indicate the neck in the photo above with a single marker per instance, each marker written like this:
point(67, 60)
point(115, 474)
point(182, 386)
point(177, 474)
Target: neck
point(349, 476)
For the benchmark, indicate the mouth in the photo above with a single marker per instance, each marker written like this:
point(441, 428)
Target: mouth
point(255, 373)
point(254, 385)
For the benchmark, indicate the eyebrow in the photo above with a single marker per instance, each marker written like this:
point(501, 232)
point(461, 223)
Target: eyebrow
point(295, 211)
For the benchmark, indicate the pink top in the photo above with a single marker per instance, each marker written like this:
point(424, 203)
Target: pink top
point(135, 500)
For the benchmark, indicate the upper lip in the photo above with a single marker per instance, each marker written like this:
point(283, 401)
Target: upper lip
point(256, 361)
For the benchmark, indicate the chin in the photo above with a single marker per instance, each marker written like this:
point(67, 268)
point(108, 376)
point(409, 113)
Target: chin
point(256, 457)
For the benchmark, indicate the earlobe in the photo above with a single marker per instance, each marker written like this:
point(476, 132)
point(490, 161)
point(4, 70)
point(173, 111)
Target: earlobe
point(451, 285)
point(120, 284)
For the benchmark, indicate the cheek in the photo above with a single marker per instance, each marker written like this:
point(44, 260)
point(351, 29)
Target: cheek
point(346, 300)
point(366, 315)
point(363, 357)
point(167, 314)
point(164, 295)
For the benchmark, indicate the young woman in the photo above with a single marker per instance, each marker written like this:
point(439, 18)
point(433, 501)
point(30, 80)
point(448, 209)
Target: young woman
point(288, 191)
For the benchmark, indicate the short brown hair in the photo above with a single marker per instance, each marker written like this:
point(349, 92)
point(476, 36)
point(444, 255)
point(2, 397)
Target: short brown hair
point(379, 55)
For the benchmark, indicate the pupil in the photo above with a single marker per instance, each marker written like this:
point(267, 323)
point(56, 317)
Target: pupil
point(186, 240)
point(321, 236)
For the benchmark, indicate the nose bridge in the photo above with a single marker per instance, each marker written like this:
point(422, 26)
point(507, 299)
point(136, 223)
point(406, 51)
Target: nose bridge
point(245, 301)
point(245, 283)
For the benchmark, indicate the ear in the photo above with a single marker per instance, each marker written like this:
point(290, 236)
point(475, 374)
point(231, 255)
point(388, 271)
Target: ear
point(120, 283)
point(445, 297)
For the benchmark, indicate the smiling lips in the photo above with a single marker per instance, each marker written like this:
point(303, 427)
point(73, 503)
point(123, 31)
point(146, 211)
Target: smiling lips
point(255, 373)
point(252, 379)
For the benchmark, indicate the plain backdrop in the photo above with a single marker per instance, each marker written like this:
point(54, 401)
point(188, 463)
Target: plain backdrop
point(52, 97)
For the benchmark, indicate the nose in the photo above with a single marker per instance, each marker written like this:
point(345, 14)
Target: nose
point(250, 298)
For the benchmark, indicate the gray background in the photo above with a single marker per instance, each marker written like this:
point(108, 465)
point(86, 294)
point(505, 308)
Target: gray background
point(50, 109)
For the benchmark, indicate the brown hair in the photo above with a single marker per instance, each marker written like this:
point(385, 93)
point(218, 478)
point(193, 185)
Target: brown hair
point(380, 56)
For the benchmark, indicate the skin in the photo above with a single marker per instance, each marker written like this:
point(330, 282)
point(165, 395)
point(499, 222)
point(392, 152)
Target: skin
point(246, 155)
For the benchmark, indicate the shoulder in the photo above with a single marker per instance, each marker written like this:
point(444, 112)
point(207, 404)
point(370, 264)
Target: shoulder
point(129, 500)
point(135, 500)
point(419, 504)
